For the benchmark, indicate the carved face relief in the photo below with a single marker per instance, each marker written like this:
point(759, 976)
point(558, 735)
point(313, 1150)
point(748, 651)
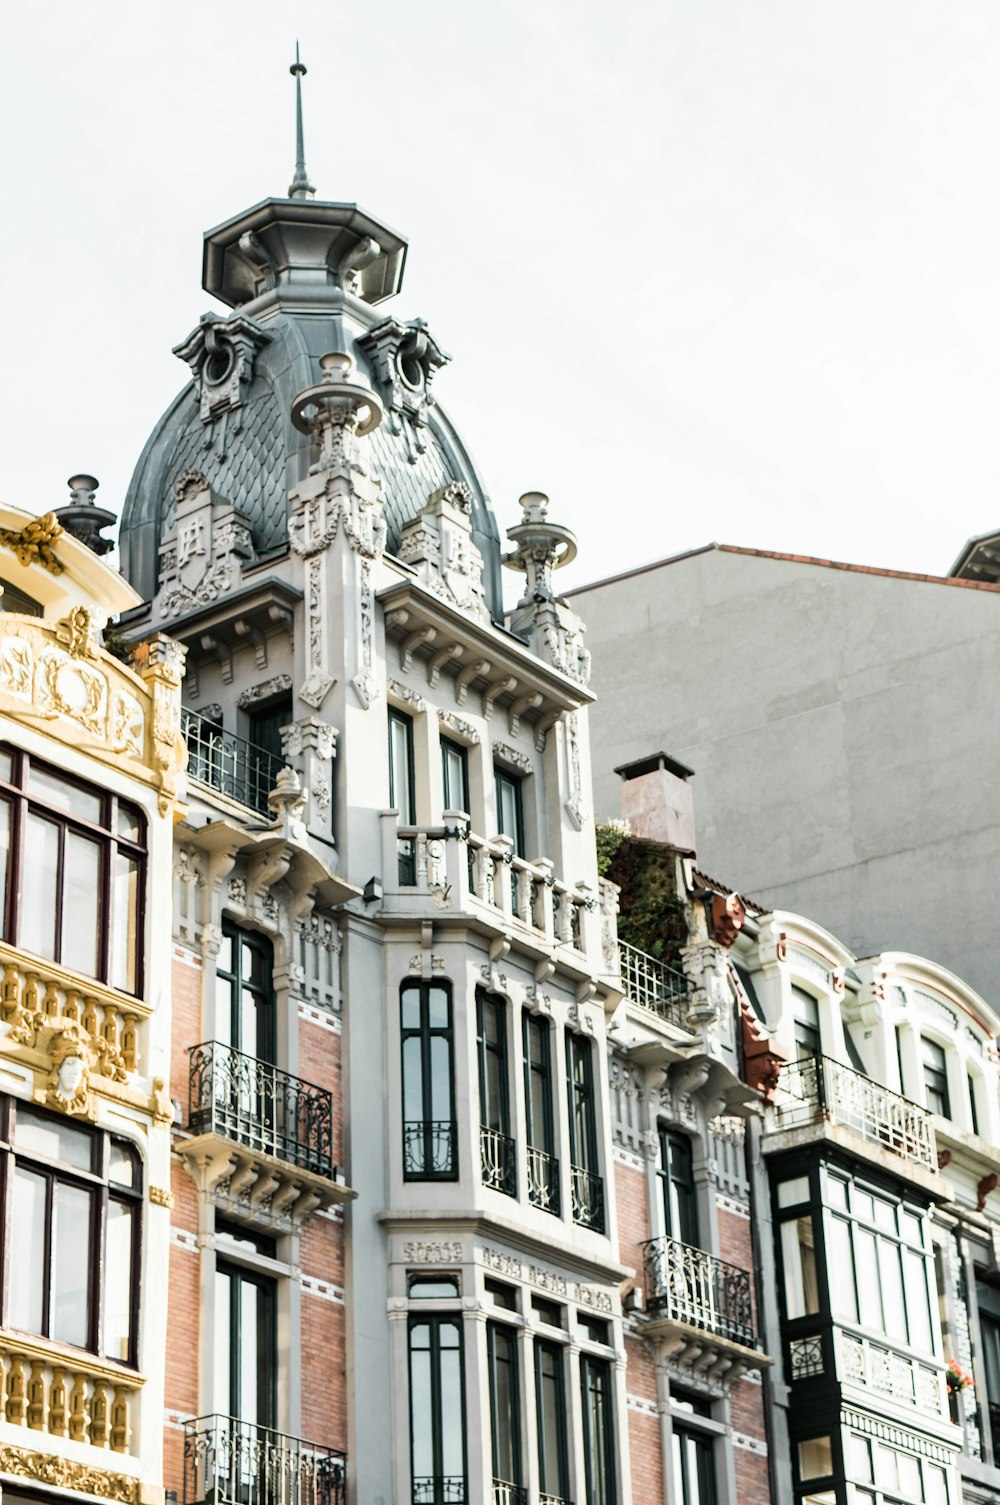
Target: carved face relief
point(70, 1076)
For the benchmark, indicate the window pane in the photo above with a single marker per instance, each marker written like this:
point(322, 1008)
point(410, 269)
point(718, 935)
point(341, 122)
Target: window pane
point(859, 1458)
point(799, 1260)
point(413, 1100)
point(503, 1405)
point(81, 905)
point(124, 922)
point(868, 1280)
point(440, 1083)
point(893, 1306)
point(400, 775)
point(935, 1485)
point(421, 1402)
point(28, 1269)
point(792, 1192)
point(452, 1416)
point(122, 1163)
point(250, 1355)
point(433, 1287)
point(71, 1207)
point(437, 1008)
point(52, 1137)
point(917, 1300)
point(6, 766)
point(410, 1008)
point(221, 1356)
point(118, 1281)
point(551, 1420)
point(129, 823)
point(815, 1458)
point(64, 796)
point(4, 861)
point(909, 1476)
point(39, 899)
point(843, 1294)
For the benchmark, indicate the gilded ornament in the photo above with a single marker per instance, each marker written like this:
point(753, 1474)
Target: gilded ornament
point(62, 1473)
point(33, 544)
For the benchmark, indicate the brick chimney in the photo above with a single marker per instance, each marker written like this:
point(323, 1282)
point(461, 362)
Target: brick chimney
point(657, 800)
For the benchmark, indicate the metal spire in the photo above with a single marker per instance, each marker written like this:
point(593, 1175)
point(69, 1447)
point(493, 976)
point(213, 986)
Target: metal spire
point(300, 186)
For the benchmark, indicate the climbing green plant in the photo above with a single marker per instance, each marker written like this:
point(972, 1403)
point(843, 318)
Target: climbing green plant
point(651, 913)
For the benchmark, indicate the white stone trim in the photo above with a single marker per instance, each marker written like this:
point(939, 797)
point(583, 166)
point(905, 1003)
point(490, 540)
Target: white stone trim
point(642, 1405)
point(626, 1157)
point(729, 1204)
point(322, 1289)
point(188, 958)
point(750, 1377)
point(176, 1419)
point(180, 1238)
point(322, 1018)
point(750, 1444)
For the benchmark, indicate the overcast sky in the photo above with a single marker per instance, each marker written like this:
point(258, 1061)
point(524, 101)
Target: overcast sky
point(708, 269)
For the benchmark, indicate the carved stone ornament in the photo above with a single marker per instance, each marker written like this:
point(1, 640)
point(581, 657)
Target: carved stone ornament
point(64, 1473)
point(204, 547)
point(32, 544)
point(438, 546)
point(268, 689)
point(458, 726)
point(507, 754)
point(74, 1055)
point(407, 695)
point(221, 355)
point(406, 358)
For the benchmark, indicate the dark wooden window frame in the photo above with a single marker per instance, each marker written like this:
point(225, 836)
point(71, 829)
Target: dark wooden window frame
point(240, 934)
point(399, 718)
point(676, 1168)
point(484, 1050)
point(435, 1321)
point(102, 1192)
point(584, 1155)
point(267, 1334)
point(426, 1033)
point(706, 1491)
point(598, 1490)
point(558, 1487)
point(447, 746)
point(105, 835)
point(494, 1330)
point(540, 1136)
point(503, 775)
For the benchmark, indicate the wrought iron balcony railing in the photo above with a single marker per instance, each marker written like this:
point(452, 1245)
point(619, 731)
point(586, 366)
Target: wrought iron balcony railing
point(256, 1105)
point(498, 1156)
point(690, 1285)
point(818, 1087)
point(230, 1462)
point(543, 1180)
point(994, 1415)
point(654, 986)
point(229, 763)
point(587, 1193)
point(544, 1499)
point(439, 1489)
point(429, 1149)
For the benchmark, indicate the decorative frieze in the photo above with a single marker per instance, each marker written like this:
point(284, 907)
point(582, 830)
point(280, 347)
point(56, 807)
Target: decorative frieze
point(432, 1252)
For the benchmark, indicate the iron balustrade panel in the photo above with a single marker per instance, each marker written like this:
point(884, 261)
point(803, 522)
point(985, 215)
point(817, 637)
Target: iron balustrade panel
point(692, 1286)
point(654, 986)
point(544, 1499)
point(231, 1462)
point(498, 1157)
point(818, 1087)
point(439, 1489)
point(429, 1149)
point(543, 1180)
point(587, 1196)
point(229, 764)
point(257, 1105)
point(994, 1412)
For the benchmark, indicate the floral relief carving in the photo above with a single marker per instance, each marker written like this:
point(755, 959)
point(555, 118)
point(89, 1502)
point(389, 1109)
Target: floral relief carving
point(458, 725)
point(63, 1473)
point(508, 754)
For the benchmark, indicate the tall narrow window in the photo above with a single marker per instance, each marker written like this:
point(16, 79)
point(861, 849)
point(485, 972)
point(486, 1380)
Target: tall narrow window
point(598, 1432)
point(496, 1146)
point(973, 1111)
point(935, 1077)
point(807, 1034)
point(587, 1186)
point(244, 992)
point(429, 1141)
point(510, 809)
point(694, 1467)
point(543, 1167)
point(72, 865)
point(676, 1175)
point(505, 1414)
point(550, 1410)
point(402, 795)
point(455, 775)
point(74, 1205)
point(437, 1410)
point(266, 756)
point(245, 1344)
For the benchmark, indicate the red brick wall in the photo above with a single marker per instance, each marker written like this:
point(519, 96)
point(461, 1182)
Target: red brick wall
point(746, 1400)
point(643, 1430)
point(633, 1216)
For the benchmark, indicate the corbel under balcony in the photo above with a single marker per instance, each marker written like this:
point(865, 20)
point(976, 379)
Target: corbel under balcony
point(245, 617)
point(700, 1319)
point(273, 856)
point(483, 659)
point(254, 1185)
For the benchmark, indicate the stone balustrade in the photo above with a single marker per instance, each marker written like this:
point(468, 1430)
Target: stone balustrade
point(34, 993)
point(66, 1393)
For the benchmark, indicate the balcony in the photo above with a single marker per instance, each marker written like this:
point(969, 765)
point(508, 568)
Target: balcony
point(509, 1494)
point(587, 1194)
point(543, 1180)
point(228, 1462)
point(655, 987)
point(261, 1138)
point(819, 1090)
point(229, 764)
point(439, 1489)
point(429, 1149)
point(689, 1285)
point(62, 1391)
point(498, 1157)
point(437, 870)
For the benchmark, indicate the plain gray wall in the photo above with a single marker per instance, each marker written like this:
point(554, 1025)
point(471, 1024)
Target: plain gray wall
point(843, 727)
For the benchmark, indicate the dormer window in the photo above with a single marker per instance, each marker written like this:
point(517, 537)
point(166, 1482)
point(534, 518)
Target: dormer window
point(806, 1014)
point(935, 1077)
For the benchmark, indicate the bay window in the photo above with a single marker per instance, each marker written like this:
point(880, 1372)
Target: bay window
point(74, 1200)
point(72, 868)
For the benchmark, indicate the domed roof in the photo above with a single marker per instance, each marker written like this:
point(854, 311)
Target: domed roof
point(314, 271)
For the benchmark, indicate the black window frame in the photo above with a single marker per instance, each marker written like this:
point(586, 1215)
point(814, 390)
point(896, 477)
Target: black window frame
point(543, 1163)
point(503, 776)
point(425, 1032)
point(583, 1148)
point(434, 1321)
point(808, 1033)
point(600, 1485)
point(103, 1191)
point(267, 1007)
point(497, 1149)
point(450, 746)
point(229, 1265)
point(935, 1077)
point(704, 1443)
point(407, 816)
point(14, 792)
point(495, 1331)
point(675, 1173)
point(559, 1487)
